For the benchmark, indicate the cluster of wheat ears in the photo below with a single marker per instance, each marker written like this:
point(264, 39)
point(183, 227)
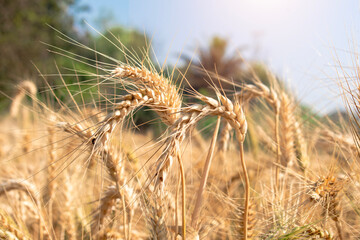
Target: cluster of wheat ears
point(78, 169)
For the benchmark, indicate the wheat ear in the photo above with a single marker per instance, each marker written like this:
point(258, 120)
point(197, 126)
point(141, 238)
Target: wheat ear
point(266, 140)
point(326, 192)
point(166, 95)
point(252, 220)
point(113, 163)
point(191, 115)
point(157, 221)
point(24, 88)
point(224, 139)
point(318, 233)
point(157, 100)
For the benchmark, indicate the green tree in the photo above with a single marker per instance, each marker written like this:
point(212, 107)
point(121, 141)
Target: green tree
point(121, 44)
point(23, 27)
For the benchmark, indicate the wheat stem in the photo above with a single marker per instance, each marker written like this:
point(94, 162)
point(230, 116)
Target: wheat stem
point(278, 151)
point(247, 188)
point(205, 174)
point(183, 189)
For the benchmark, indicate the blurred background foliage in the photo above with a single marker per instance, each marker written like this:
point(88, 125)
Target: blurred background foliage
point(25, 27)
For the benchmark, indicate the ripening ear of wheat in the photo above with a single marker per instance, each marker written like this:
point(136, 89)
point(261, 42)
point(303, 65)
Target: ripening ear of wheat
point(326, 192)
point(167, 100)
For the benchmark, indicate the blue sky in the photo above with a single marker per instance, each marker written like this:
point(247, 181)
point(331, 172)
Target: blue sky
point(297, 38)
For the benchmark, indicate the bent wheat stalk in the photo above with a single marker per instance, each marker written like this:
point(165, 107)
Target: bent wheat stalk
point(191, 115)
point(67, 220)
point(249, 92)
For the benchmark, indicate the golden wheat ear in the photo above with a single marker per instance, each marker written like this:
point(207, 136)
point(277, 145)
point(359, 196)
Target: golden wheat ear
point(327, 192)
point(165, 94)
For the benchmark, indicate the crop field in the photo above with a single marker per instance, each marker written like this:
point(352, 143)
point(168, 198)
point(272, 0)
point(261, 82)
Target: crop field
point(242, 160)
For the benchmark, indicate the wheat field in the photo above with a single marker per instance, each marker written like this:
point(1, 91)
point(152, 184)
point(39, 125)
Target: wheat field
point(76, 166)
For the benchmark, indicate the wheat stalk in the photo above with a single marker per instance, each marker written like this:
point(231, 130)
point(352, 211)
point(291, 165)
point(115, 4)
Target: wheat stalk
point(67, 219)
point(49, 192)
point(191, 115)
point(301, 148)
point(250, 92)
point(204, 177)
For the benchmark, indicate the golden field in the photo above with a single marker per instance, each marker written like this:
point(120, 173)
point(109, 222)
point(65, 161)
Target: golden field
point(78, 167)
